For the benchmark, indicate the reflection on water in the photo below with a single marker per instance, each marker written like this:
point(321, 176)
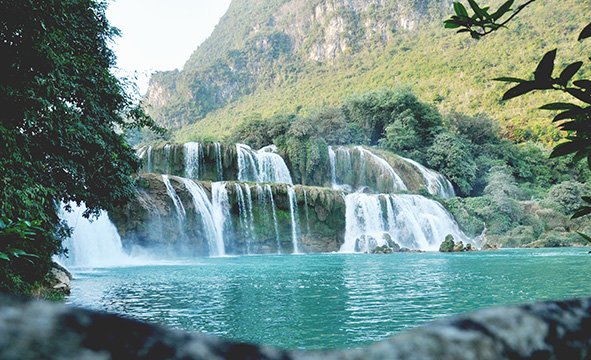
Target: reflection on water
point(332, 300)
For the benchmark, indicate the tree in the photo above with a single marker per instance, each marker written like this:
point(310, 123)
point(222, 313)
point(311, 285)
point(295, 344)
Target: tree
point(574, 117)
point(451, 155)
point(62, 125)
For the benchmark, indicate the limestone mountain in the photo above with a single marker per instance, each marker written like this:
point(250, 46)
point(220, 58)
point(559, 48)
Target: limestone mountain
point(270, 56)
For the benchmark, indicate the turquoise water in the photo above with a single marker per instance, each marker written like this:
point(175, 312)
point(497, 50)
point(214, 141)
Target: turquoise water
point(331, 300)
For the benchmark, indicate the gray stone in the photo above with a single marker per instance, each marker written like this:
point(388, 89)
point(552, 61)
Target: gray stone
point(34, 329)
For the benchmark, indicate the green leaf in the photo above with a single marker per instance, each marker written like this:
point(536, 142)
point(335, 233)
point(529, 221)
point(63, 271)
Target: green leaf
point(583, 84)
point(460, 9)
point(585, 33)
point(451, 24)
point(545, 68)
point(559, 106)
point(582, 212)
point(477, 10)
point(579, 94)
point(503, 9)
point(509, 79)
point(568, 73)
point(3, 256)
point(567, 148)
point(519, 90)
point(569, 114)
point(584, 236)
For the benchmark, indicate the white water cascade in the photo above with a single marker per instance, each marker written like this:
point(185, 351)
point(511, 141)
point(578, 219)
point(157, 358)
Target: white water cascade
point(167, 157)
point(193, 160)
point(178, 205)
point(146, 152)
point(218, 161)
point(263, 166)
point(293, 211)
point(437, 184)
point(205, 209)
point(397, 183)
point(332, 158)
point(94, 243)
point(269, 193)
point(412, 221)
point(221, 210)
point(244, 200)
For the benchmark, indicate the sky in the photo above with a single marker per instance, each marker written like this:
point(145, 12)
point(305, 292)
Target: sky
point(160, 34)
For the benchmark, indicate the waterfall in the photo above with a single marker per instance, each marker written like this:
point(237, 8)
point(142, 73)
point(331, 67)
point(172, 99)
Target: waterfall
point(397, 183)
point(437, 184)
point(306, 211)
point(332, 158)
point(193, 160)
point(412, 221)
point(146, 152)
point(180, 209)
point(221, 212)
point(245, 212)
point(204, 208)
point(93, 243)
point(293, 211)
point(167, 156)
point(269, 192)
point(218, 161)
point(263, 166)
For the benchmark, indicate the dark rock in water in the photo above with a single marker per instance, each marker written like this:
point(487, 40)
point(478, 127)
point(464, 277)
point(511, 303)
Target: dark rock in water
point(41, 330)
point(382, 250)
point(488, 246)
point(448, 244)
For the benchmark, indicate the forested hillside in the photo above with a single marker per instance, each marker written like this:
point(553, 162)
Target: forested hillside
point(279, 56)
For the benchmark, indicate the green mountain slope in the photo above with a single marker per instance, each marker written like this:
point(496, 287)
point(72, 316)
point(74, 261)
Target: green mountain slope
point(278, 56)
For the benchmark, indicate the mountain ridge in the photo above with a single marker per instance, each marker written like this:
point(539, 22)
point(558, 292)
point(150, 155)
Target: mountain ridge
point(298, 55)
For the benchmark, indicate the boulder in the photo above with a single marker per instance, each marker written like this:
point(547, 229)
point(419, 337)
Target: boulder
point(448, 244)
point(59, 279)
point(550, 330)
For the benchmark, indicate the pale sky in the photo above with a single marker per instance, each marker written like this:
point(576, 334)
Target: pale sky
point(161, 34)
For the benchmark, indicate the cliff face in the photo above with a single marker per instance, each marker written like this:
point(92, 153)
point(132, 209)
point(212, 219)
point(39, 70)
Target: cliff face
point(263, 43)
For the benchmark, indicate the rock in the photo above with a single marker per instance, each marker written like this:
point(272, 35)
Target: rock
point(469, 247)
point(382, 250)
point(59, 279)
point(458, 247)
point(448, 244)
point(489, 247)
point(42, 330)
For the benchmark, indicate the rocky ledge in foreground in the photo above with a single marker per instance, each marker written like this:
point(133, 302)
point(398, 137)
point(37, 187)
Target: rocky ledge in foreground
point(40, 330)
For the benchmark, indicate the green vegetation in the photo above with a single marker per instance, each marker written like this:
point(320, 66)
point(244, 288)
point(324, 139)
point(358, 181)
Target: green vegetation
point(451, 72)
point(573, 117)
point(58, 139)
point(514, 190)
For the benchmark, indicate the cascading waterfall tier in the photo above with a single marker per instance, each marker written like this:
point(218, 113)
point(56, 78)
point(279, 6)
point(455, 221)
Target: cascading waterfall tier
point(263, 212)
point(358, 168)
point(263, 166)
point(437, 184)
point(411, 221)
point(206, 213)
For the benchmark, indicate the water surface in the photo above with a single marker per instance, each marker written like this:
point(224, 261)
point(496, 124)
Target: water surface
point(329, 300)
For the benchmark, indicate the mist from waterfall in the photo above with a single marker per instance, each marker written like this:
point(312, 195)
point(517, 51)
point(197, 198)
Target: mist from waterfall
point(94, 242)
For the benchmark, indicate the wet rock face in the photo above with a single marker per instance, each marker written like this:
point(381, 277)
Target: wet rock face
point(258, 219)
point(42, 330)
